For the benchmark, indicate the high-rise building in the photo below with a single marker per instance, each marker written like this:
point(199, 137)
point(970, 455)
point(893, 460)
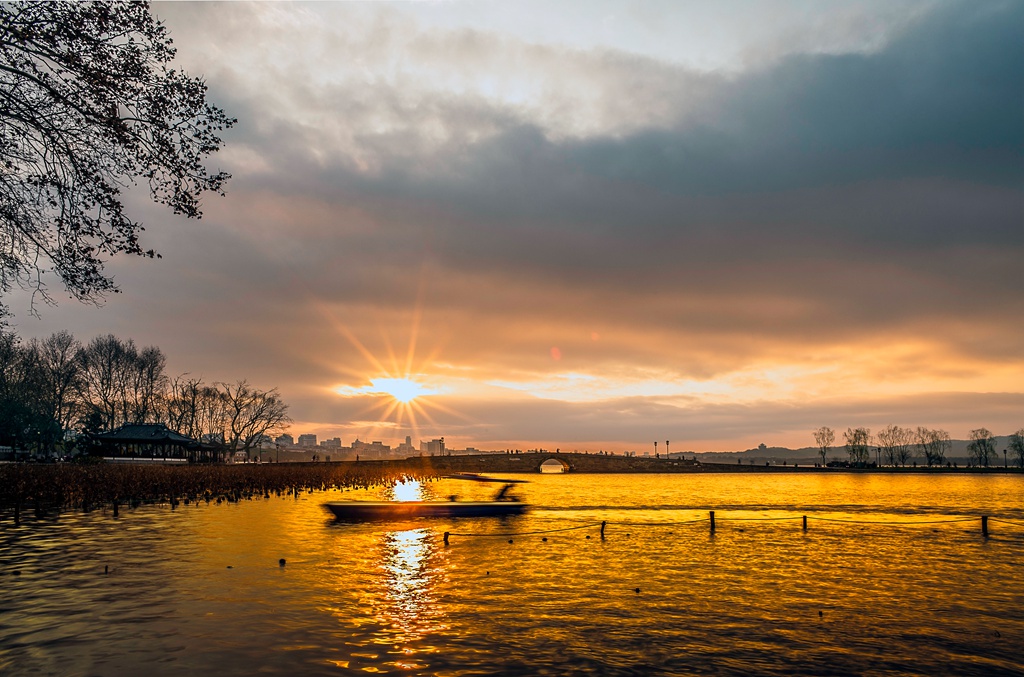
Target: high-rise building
point(307, 440)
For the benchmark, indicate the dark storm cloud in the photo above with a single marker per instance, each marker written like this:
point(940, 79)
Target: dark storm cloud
point(917, 146)
point(943, 100)
point(942, 104)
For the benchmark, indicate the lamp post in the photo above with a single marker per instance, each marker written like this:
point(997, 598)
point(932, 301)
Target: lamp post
point(667, 454)
point(655, 450)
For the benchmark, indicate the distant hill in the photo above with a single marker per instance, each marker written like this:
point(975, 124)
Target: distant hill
point(777, 455)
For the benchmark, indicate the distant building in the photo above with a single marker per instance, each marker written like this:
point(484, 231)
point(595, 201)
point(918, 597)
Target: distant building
point(307, 440)
point(371, 450)
point(264, 442)
point(333, 443)
point(406, 447)
point(285, 440)
point(433, 447)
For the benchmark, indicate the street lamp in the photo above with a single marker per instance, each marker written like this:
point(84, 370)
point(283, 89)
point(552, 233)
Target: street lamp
point(667, 455)
point(655, 450)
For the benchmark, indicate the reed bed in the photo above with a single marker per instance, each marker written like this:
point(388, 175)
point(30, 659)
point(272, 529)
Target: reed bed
point(48, 490)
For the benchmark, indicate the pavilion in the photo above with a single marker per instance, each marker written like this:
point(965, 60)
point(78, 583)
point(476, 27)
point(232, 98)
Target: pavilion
point(153, 441)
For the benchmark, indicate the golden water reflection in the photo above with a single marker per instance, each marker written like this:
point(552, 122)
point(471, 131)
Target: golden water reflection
point(409, 490)
point(411, 571)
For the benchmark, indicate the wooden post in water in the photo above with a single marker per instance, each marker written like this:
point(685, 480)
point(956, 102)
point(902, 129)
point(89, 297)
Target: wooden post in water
point(984, 526)
point(805, 522)
point(711, 516)
point(446, 538)
point(602, 529)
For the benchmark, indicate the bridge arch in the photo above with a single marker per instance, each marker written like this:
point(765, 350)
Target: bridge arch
point(553, 462)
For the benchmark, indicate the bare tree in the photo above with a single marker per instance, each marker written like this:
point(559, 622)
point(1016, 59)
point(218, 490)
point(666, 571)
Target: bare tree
point(62, 374)
point(121, 383)
point(251, 414)
point(887, 437)
point(934, 445)
point(904, 445)
point(182, 404)
point(196, 410)
point(101, 360)
point(824, 437)
point(1017, 447)
point(858, 443)
point(213, 415)
point(982, 447)
point(897, 444)
point(147, 385)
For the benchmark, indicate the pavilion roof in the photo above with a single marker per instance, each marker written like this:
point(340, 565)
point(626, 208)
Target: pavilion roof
point(145, 433)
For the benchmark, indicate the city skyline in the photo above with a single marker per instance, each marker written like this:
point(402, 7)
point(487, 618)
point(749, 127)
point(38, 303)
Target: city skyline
point(596, 225)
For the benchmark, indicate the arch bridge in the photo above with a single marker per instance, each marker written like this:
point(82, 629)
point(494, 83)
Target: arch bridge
point(530, 462)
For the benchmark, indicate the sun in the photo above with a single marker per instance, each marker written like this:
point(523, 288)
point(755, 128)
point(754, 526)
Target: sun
point(397, 395)
point(404, 390)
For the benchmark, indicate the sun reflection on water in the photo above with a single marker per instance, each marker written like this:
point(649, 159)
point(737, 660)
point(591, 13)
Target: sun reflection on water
point(410, 490)
point(407, 604)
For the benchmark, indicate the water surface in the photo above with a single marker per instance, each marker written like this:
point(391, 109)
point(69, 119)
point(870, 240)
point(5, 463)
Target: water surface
point(892, 576)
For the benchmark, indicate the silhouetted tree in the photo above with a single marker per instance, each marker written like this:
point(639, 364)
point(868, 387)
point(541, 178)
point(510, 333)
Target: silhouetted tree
point(982, 447)
point(857, 444)
point(896, 443)
point(122, 383)
point(196, 410)
point(824, 437)
point(904, 445)
point(1017, 447)
point(88, 105)
point(251, 414)
point(25, 420)
point(62, 374)
point(934, 444)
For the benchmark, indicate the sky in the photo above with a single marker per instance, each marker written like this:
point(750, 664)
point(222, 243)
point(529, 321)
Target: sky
point(593, 225)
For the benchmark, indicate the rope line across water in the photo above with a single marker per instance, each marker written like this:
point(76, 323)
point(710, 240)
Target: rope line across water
point(732, 519)
point(526, 533)
point(886, 524)
point(658, 524)
point(756, 519)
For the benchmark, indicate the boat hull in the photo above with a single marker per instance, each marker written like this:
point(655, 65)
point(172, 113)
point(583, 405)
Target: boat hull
point(391, 510)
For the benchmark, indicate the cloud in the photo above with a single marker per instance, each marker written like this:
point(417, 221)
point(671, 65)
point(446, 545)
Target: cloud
point(834, 210)
point(690, 424)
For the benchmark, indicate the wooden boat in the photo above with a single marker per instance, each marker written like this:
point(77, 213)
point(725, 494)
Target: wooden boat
point(397, 510)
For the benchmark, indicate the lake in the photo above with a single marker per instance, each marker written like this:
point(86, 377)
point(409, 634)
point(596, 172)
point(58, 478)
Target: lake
point(891, 576)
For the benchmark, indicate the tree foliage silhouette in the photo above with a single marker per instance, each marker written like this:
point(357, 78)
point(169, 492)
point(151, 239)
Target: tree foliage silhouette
point(90, 106)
